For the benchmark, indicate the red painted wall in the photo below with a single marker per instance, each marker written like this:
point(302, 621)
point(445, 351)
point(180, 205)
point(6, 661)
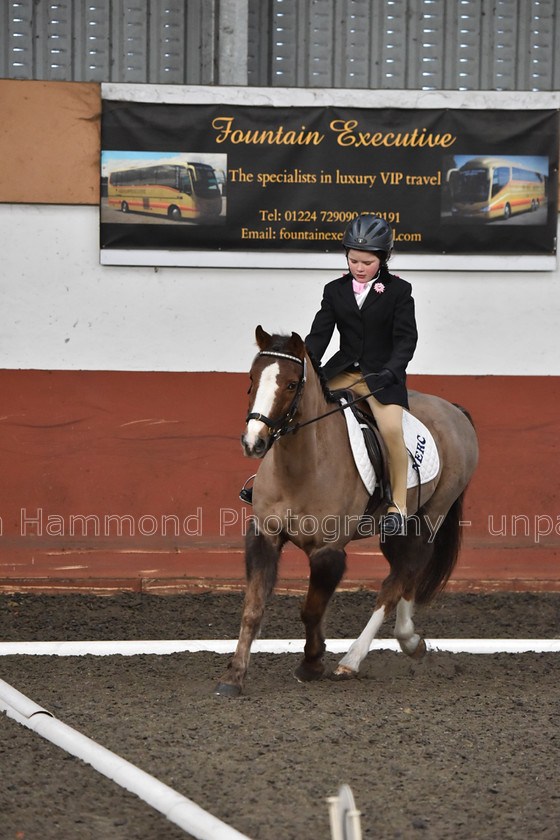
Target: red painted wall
point(155, 445)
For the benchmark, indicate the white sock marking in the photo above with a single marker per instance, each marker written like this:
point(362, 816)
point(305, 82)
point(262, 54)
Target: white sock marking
point(360, 647)
point(404, 627)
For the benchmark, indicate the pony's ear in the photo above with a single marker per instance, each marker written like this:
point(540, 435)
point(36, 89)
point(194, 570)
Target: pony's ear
point(263, 338)
point(295, 345)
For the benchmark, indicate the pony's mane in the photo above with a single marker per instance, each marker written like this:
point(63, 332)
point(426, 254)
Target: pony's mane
point(279, 343)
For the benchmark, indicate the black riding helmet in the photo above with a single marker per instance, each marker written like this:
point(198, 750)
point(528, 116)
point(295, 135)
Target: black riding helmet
point(368, 233)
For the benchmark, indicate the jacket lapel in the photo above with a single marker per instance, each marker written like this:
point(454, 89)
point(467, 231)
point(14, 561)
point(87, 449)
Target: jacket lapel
point(347, 292)
point(374, 296)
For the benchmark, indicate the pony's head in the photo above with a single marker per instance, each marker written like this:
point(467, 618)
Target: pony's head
point(277, 376)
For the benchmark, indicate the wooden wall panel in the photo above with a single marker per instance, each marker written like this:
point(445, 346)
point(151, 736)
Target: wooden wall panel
point(50, 142)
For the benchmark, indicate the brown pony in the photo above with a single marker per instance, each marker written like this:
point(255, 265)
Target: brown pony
point(308, 478)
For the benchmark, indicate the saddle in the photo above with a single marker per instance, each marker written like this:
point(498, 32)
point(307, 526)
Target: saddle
point(375, 446)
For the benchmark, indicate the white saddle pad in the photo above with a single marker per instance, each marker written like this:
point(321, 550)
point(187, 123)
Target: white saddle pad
point(418, 439)
point(422, 450)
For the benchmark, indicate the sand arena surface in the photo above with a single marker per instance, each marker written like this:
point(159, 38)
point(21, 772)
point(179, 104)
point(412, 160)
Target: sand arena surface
point(458, 746)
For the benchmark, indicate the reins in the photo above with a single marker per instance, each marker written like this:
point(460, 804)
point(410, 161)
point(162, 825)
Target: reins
point(282, 426)
point(340, 407)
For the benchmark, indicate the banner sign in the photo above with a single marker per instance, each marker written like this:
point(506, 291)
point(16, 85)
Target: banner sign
point(223, 178)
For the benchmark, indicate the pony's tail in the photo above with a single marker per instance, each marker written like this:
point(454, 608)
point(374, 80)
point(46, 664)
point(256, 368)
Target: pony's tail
point(445, 551)
point(466, 413)
point(445, 547)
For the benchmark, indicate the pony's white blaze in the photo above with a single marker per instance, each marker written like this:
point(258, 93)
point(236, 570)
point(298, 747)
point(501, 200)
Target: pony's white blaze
point(264, 400)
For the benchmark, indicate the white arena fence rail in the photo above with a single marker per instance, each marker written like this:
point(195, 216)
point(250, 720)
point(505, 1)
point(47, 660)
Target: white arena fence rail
point(279, 646)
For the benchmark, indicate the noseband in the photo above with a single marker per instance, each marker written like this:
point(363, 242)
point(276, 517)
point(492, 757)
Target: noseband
point(281, 426)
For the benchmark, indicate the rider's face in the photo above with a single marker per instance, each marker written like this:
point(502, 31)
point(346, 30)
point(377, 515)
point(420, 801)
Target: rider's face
point(363, 265)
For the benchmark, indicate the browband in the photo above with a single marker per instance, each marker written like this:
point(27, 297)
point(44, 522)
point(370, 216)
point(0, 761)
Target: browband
point(281, 356)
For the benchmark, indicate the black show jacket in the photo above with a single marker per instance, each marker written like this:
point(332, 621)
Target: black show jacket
point(382, 334)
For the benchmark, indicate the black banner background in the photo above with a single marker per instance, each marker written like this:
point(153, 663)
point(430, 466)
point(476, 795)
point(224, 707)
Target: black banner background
point(317, 185)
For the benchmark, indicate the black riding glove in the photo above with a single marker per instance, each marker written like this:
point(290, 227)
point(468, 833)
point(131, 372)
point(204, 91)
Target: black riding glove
point(376, 381)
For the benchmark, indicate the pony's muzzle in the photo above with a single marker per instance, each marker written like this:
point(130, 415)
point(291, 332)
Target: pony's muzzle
point(255, 443)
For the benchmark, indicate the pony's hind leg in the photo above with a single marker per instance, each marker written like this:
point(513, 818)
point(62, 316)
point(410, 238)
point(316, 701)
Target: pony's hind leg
point(408, 557)
point(350, 663)
point(261, 558)
point(327, 566)
point(408, 639)
point(410, 642)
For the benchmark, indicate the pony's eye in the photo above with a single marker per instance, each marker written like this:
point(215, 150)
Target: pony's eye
point(250, 386)
point(292, 386)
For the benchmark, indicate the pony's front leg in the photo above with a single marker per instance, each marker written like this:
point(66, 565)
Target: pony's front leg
point(327, 566)
point(261, 559)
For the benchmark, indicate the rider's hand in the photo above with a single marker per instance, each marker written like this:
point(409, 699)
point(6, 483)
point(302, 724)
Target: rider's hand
point(376, 381)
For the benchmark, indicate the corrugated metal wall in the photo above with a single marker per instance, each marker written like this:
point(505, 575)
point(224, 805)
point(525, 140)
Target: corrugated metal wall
point(374, 44)
point(160, 41)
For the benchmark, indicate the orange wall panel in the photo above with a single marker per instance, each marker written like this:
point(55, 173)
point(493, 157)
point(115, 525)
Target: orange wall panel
point(50, 142)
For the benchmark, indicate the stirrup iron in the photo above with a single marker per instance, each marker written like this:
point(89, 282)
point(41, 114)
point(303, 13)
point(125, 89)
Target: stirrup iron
point(246, 493)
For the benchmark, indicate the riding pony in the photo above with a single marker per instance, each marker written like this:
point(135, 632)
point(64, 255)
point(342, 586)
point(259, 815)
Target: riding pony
point(308, 490)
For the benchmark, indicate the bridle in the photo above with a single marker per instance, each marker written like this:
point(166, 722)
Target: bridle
point(281, 426)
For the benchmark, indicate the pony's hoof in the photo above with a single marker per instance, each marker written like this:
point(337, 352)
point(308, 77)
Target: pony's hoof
point(344, 673)
point(420, 651)
point(304, 673)
point(227, 690)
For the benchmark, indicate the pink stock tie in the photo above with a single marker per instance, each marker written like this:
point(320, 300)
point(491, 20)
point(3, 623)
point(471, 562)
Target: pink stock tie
point(358, 287)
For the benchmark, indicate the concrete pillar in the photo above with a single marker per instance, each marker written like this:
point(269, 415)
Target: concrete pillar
point(233, 42)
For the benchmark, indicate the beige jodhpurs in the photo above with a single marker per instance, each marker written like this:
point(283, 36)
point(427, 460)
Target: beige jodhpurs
point(389, 423)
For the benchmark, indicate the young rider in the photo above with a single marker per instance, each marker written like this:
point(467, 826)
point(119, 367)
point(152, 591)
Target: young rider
point(373, 312)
